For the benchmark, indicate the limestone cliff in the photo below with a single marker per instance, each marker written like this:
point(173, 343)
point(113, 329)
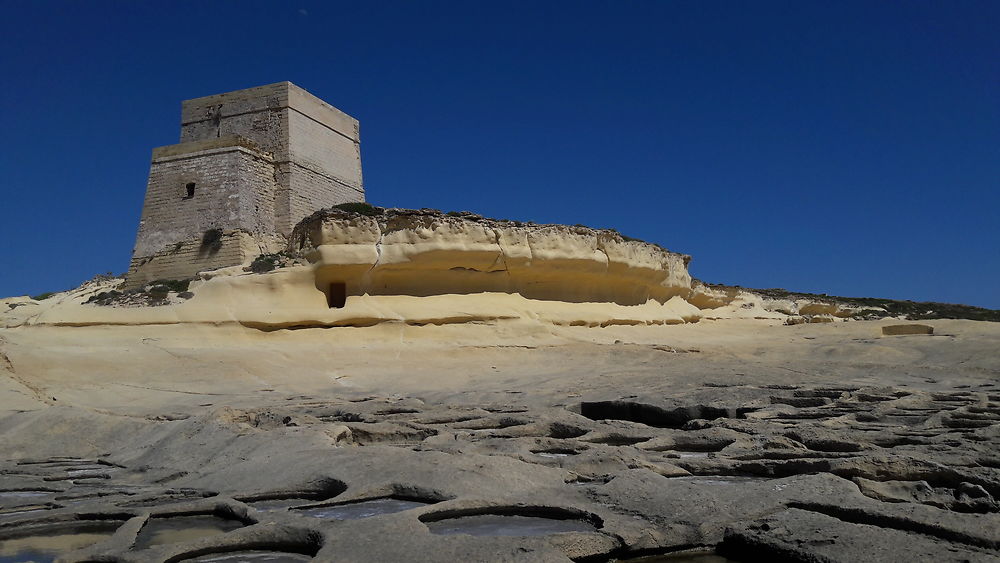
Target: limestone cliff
point(728, 302)
point(414, 267)
point(426, 252)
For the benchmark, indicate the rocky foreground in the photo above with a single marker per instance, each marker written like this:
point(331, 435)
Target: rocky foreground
point(745, 440)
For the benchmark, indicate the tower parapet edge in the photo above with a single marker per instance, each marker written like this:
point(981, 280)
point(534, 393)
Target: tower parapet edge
point(250, 164)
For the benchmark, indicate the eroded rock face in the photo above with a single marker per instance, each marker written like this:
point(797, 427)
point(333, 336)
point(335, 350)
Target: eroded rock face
point(724, 302)
point(425, 252)
point(419, 267)
point(790, 473)
point(900, 330)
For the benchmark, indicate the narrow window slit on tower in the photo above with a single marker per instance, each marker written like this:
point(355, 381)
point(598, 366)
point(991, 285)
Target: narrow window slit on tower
point(337, 296)
point(190, 190)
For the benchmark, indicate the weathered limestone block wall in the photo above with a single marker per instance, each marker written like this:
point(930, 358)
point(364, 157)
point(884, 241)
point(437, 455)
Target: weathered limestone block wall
point(424, 253)
point(233, 189)
point(186, 258)
point(311, 191)
point(257, 114)
point(259, 160)
point(324, 139)
point(316, 147)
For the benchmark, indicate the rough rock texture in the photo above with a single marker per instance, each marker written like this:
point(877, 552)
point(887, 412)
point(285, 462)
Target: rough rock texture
point(288, 298)
point(426, 252)
point(200, 253)
point(815, 442)
point(416, 267)
point(899, 330)
point(740, 302)
point(723, 302)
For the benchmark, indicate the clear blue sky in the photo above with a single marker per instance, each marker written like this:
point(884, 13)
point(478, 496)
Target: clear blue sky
point(850, 148)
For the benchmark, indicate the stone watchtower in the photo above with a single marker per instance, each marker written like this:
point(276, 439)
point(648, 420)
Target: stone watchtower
point(250, 165)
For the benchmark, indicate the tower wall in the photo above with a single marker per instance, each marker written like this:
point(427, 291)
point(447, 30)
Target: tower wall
point(316, 147)
point(257, 114)
point(233, 190)
point(259, 160)
point(185, 259)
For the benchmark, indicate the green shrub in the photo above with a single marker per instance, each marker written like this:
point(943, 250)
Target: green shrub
point(360, 207)
point(158, 292)
point(43, 296)
point(893, 308)
point(171, 285)
point(104, 297)
point(870, 313)
point(265, 263)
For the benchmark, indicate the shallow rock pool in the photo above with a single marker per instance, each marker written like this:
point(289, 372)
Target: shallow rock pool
point(507, 525)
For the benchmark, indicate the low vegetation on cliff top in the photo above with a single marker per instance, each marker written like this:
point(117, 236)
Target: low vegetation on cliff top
point(361, 208)
point(152, 294)
point(369, 210)
point(875, 308)
point(268, 262)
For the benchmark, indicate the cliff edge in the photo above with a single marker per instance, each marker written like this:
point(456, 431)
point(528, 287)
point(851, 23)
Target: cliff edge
point(359, 265)
point(426, 252)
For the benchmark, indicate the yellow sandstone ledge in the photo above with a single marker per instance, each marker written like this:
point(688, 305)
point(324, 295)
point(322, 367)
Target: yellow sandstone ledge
point(288, 298)
point(425, 253)
point(423, 267)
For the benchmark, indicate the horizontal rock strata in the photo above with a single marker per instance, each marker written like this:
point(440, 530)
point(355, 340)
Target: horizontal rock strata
point(425, 252)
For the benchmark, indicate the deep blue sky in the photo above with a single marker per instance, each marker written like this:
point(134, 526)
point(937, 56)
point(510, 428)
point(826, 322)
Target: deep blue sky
point(851, 148)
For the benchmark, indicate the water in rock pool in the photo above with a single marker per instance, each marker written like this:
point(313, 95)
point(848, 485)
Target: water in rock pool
point(158, 531)
point(683, 557)
point(47, 546)
point(718, 479)
point(250, 557)
point(13, 513)
point(278, 503)
point(504, 525)
point(11, 495)
point(364, 509)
